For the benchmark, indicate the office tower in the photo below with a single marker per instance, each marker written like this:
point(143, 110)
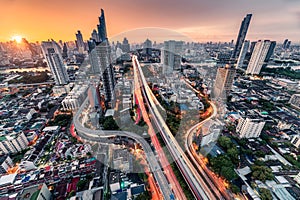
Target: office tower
point(241, 36)
point(94, 96)
point(102, 27)
point(285, 43)
point(147, 47)
point(79, 42)
point(170, 56)
point(125, 45)
point(224, 80)
point(250, 127)
point(51, 52)
point(95, 36)
point(258, 56)
point(271, 51)
point(243, 54)
point(101, 64)
point(288, 45)
point(65, 51)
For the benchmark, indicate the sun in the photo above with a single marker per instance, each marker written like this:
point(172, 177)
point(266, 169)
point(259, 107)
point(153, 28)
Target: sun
point(17, 38)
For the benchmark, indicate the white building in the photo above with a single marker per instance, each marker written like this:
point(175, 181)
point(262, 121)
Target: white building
point(249, 127)
point(75, 98)
point(5, 164)
point(52, 53)
point(258, 57)
point(295, 101)
point(296, 141)
point(13, 143)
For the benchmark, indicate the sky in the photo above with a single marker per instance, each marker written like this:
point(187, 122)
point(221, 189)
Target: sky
point(199, 20)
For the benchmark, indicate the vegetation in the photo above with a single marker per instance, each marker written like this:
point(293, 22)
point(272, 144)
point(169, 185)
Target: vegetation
point(81, 185)
point(109, 123)
point(61, 120)
point(265, 194)
point(261, 172)
point(292, 160)
point(28, 78)
point(223, 166)
point(288, 72)
point(144, 196)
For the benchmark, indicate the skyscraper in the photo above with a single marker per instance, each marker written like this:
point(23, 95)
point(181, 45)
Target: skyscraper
point(65, 51)
point(170, 56)
point(271, 51)
point(243, 54)
point(258, 57)
point(79, 42)
point(224, 80)
point(125, 45)
point(95, 36)
point(52, 53)
point(102, 27)
point(241, 36)
point(101, 63)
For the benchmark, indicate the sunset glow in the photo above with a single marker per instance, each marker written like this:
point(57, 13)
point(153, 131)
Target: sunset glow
point(17, 38)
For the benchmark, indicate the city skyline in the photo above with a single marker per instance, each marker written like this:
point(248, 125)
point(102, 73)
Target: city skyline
point(199, 20)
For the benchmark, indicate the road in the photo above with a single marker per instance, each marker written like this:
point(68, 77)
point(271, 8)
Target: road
point(198, 187)
point(25, 85)
point(178, 192)
point(98, 135)
point(214, 182)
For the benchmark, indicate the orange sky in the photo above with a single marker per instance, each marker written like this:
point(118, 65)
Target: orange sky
point(202, 20)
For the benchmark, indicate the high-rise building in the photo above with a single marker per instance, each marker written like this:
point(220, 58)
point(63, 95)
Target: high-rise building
point(102, 27)
point(271, 51)
point(65, 51)
point(224, 80)
point(147, 47)
point(258, 57)
point(95, 36)
point(171, 56)
point(243, 54)
point(125, 45)
point(52, 53)
point(286, 44)
point(94, 96)
point(250, 127)
point(79, 42)
point(13, 143)
point(101, 63)
point(241, 36)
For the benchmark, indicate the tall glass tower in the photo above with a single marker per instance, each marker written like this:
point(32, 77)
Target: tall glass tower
point(241, 36)
point(102, 27)
point(52, 53)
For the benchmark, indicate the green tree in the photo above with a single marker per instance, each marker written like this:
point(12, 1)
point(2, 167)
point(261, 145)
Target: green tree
point(110, 124)
point(234, 188)
point(225, 142)
point(262, 173)
point(265, 194)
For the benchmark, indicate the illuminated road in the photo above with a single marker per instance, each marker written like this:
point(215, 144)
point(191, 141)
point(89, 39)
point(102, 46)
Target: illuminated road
point(178, 192)
point(214, 182)
point(198, 187)
point(98, 135)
